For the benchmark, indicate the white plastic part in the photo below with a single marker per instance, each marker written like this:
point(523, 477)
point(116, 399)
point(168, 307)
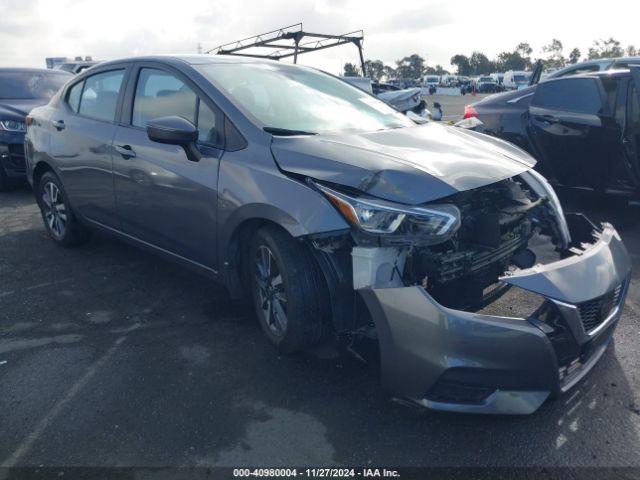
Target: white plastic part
point(377, 267)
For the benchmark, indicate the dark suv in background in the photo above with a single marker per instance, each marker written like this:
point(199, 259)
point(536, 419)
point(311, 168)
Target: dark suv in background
point(21, 89)
point(584, 130)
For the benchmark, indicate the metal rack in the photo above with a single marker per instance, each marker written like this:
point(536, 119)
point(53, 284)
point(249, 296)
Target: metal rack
point(288, 42)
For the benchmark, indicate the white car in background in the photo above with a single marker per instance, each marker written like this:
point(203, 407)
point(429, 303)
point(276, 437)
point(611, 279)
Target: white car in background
point(430, 81)
point(498, 77)
point(516, 79)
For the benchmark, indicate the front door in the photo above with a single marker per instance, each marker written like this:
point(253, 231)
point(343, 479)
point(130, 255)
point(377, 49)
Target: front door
point(569, 134)
point(162, 197)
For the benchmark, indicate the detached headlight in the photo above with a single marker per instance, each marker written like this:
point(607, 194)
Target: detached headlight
point(435, 223)
point(12, 125)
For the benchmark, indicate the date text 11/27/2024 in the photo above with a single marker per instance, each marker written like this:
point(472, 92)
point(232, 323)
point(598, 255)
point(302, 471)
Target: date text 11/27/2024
point(316, 472)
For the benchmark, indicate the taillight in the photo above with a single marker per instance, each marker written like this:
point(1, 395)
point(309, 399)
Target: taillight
point(469, 111)
point(28, 120)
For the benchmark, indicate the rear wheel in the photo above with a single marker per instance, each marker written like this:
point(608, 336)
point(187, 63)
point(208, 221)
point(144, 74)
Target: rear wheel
point(59, 220)
point(290, 297)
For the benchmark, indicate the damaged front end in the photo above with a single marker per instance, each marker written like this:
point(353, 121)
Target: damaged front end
point(488, 301)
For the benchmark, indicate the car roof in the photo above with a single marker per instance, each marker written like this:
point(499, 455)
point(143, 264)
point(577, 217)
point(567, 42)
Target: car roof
point(596, 61)
point(192, 59)
point(623, 72)
point(618, 72)
point(32, 70)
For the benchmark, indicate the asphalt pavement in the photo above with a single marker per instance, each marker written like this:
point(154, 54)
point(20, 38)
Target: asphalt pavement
point(110, 356)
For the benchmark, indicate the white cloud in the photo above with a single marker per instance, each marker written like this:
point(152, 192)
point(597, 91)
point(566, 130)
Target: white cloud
point(31, 30)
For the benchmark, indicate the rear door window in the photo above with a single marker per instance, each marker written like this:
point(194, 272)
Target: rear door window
point(572, 95)
point(100, 95)
point(612, 91)
point(161, 94)
point(633, 111)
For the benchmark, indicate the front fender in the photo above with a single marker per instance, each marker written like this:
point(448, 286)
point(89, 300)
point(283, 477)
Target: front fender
point(247, 191)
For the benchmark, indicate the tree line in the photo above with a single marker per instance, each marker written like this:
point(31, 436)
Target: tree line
point(414, 66)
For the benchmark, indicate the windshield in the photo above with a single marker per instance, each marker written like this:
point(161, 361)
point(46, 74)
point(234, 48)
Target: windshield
point(27, 85)
point(486, 79)
point(520, 78)
point(286, 97)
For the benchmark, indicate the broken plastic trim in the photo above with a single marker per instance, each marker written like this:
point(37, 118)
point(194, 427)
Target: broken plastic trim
point(420, 339)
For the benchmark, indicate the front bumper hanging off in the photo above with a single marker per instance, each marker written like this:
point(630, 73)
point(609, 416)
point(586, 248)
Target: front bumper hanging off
point(470, 362)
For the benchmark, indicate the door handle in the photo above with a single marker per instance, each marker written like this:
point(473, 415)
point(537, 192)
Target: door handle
point(59, 125)
point(548, 118)
point(126, 151)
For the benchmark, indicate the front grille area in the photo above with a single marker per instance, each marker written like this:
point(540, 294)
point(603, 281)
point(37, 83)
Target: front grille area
point(16, 149)
point(596, 311)
point(15, 161)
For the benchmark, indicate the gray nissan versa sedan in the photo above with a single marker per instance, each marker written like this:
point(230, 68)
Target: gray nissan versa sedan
point(342, 218)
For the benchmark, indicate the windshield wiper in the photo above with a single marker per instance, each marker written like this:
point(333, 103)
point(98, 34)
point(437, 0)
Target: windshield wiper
point(286, 131)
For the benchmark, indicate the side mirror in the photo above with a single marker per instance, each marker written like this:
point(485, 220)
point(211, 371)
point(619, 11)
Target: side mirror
point(175, 130)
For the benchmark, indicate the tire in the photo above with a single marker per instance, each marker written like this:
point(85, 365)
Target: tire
point(59, 221)
point(294, 282)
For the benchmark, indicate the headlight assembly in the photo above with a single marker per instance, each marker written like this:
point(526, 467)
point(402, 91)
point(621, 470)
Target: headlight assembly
point(12, 125)
point(433, 224)
point(543, 189)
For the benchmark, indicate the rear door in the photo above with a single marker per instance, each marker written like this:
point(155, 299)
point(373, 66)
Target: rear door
point(565, 123)
point(82, 129)
point(162, 197)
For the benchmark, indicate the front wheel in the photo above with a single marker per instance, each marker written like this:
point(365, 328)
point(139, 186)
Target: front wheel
point(289, 294)
point(61, 224)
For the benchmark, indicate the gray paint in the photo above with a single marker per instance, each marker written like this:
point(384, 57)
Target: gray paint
point(410, 165)
point(420, 339)
point(602, 267)
point(191, 212)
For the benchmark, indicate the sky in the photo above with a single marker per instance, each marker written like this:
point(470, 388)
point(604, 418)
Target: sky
point(31, 30)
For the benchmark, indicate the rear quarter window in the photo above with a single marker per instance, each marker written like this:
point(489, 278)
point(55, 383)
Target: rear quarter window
point(73, 97)
point(572, 94)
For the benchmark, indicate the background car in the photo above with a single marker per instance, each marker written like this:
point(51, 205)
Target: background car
point(21, 89)
point(584, 130)
point(590, 66)
point(515, 79)
point(379, 87)
point(487, 84)
point(77, 67)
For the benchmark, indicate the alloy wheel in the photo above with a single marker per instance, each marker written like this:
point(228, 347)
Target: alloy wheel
point(271, 292)
point(55, 212)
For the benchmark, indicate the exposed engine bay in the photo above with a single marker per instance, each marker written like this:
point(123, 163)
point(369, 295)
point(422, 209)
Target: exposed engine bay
point(503, 227)
point(497, 223)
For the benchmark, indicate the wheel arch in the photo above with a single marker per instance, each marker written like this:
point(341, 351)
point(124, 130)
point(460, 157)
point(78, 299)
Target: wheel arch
point(238, 230)
point(42, 166)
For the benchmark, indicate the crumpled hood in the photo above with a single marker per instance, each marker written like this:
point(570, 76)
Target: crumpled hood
point(17, 109)
point(411, 165)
